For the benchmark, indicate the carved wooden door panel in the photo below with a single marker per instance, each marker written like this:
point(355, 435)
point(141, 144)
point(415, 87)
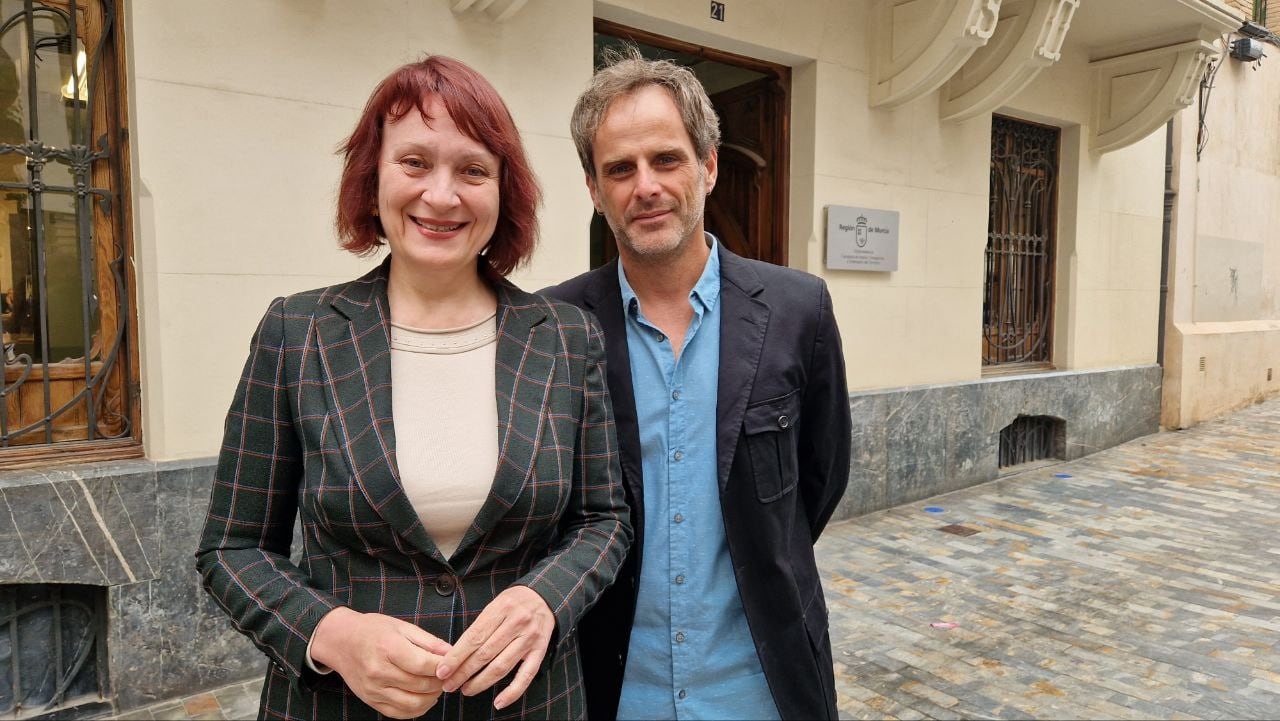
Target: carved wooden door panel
point(747, 209)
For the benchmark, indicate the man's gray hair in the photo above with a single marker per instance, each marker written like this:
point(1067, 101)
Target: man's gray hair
point(625, 71)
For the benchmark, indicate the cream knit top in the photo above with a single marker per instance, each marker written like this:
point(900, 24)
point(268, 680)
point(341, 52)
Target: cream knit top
point(445, 412)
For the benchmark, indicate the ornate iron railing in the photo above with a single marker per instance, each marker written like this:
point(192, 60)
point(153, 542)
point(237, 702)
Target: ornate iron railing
point(1017, 304)
point(52, 659)
point(66, 306)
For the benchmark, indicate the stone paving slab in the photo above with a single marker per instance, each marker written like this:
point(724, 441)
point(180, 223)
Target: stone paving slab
point(230, 703)
point(1140, 582)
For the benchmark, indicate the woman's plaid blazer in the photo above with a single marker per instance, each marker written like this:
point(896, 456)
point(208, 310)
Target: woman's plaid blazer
point(310, 434)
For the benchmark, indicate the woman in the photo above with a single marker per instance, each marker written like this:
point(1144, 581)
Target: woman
point(379, 410)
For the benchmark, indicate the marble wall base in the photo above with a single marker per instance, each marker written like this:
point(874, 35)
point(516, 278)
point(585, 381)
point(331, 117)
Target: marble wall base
point(913, 443)
point(131, 526)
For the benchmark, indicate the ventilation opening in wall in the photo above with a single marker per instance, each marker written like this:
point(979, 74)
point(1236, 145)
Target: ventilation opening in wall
point(1202, 364)
point(1032, 438)
point(53, 660)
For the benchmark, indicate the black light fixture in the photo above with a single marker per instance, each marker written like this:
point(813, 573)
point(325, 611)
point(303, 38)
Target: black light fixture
point(1254, 30)
point(1247, 49)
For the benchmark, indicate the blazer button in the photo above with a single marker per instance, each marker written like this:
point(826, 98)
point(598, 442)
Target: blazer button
point(783, 421)
point(444, 585)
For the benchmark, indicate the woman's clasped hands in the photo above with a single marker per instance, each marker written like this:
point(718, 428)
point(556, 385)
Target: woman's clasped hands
point(390, 664)
point(401, 670)
point(514, 629)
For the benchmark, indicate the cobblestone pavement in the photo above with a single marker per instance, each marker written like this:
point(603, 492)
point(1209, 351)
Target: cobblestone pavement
point(237, 701)
point(1139, 582)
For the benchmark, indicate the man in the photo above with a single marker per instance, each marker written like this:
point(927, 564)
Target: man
point(728, 389)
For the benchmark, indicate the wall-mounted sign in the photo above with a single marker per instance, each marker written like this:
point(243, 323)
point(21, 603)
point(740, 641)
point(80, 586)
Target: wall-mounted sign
point(861, 238)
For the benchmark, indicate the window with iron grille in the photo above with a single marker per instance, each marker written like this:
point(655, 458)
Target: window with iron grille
point(1032, 438)
point(53, 662)
point(1017, 302)
point(65, 301)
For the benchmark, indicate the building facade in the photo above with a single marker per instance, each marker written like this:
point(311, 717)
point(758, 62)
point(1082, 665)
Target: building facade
point(1222, 327)
point(980, 183)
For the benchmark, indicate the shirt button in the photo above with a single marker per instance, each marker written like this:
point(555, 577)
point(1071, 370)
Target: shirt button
point(444, 586)
point(679, 636)
point(678, 518)
point(679, 580)
point(682, 693)
point(661, 337)
point(783, 421)
point(679, 455)
point(675, 395)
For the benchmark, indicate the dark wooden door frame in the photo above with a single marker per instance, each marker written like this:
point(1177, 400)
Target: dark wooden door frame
point(780, 74)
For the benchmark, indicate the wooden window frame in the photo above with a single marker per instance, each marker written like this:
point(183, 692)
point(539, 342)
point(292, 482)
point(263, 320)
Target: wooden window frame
point(112, 241)
point(1048, 292)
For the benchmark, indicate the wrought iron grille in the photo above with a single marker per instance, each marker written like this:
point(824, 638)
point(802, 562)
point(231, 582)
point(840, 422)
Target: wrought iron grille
point(1031, 438)
point(1017, 303)
point(52, 651)
point(63, 270)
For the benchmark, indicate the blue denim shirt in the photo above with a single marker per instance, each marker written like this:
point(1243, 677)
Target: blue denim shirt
point(691, 653)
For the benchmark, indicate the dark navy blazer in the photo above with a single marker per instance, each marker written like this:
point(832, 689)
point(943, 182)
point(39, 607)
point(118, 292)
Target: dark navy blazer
point(782, 443)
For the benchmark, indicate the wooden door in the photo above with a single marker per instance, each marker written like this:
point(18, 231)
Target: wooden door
point(747, 209)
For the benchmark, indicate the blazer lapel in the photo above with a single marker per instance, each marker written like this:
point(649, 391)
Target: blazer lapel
point(526, 357)
point(355, 353)
point(743, 321)
point(603, 297)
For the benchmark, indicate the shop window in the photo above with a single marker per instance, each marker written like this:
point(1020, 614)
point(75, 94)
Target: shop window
point(1017, 302)
point(65, 301)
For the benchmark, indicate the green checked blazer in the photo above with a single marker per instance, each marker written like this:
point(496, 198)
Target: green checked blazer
point(310, 435)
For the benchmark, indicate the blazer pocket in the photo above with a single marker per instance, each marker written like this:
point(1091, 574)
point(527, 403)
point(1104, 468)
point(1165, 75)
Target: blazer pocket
point(769, 429)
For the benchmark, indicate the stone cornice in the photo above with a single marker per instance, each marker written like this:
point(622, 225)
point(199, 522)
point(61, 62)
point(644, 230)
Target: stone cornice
point(1135, 94)
point(1027, 39)
point(493, 10)
point(916, 45)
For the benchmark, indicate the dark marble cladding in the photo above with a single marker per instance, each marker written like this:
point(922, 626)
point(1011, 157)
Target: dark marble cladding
point(170, 631)
point(913, 443)
point(166, 637)
point(87, 524)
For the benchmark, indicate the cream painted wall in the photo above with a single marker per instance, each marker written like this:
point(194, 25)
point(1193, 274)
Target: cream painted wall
point(922, 324)
point(1109, 226)
point(1224, 303)
point(237, 107)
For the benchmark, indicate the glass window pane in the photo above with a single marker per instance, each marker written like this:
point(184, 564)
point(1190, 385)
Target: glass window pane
point(59, 252)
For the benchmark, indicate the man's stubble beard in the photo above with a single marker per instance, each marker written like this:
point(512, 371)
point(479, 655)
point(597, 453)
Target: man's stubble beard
point(657, 255)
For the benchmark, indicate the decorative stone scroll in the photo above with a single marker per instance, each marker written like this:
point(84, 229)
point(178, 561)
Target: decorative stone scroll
point(1027, 39)
point(493, 10)
point(916, 45)
point(1135, 94)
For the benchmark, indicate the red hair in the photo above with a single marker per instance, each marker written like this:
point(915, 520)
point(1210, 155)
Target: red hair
point(480, 114)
